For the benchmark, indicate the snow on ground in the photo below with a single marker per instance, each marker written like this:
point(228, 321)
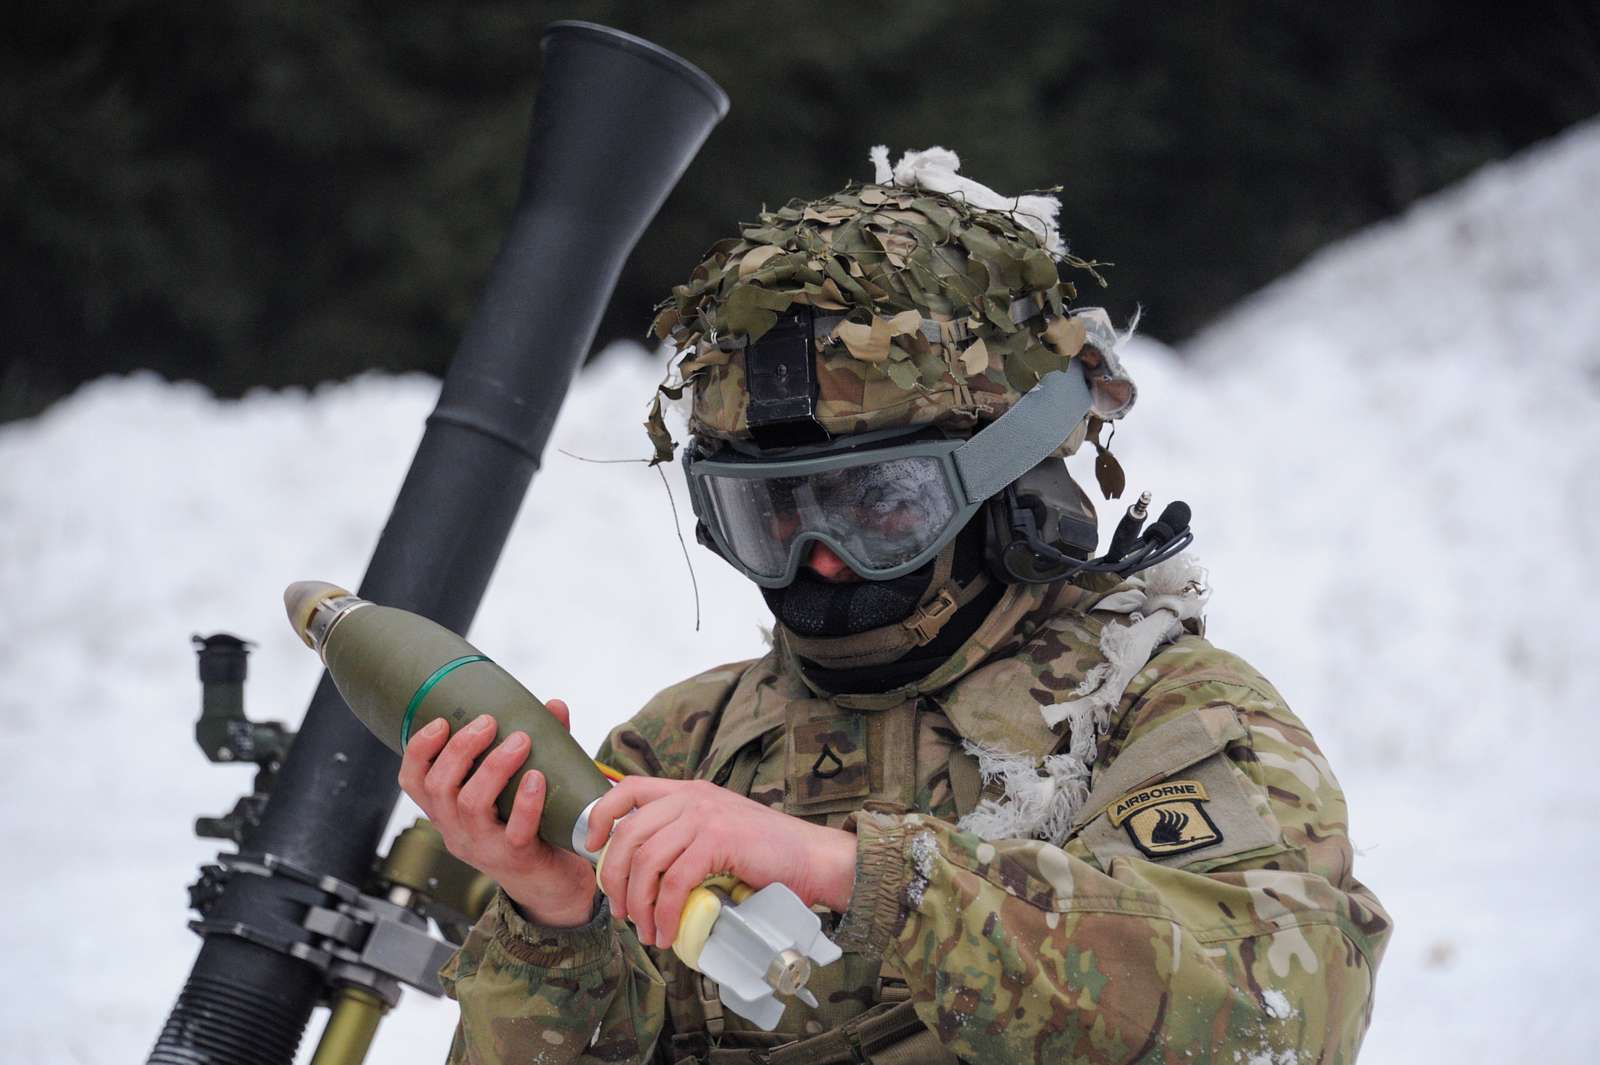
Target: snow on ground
point(1394, 460)
point(1391, 455)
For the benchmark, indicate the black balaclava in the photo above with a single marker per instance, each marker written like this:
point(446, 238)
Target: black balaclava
point(812, 607)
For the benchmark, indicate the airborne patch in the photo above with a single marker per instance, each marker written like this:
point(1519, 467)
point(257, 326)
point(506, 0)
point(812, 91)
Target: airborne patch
point(1167, 818)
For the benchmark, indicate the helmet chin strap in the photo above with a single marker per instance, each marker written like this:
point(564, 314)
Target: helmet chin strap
point(888, 642)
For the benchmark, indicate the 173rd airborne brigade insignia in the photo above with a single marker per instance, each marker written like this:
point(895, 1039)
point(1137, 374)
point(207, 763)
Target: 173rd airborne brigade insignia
point(1168, 818)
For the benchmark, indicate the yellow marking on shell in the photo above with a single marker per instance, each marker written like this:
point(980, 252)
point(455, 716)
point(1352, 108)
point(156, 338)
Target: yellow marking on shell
point(700, 910)
point(700, 913)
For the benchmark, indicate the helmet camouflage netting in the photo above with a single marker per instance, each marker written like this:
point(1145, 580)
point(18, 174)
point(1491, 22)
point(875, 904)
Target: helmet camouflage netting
point(932, 312)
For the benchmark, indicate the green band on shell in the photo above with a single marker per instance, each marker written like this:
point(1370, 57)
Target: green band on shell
point(427, 686)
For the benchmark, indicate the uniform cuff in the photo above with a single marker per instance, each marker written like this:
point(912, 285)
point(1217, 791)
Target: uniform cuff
point(877, 907)
point(551, 948)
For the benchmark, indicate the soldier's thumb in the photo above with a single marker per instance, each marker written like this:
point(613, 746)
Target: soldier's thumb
point(562, 712)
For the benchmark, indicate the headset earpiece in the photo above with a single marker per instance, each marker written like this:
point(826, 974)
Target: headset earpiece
point(1041, 527)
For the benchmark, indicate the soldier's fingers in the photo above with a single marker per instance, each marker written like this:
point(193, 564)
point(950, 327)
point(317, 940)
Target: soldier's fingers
point(450, 768)
point(562, 713)
point(527, 811)
point(475, 804)
point(629, 794)
point(652, 859)
point(418, 759)
point(630, 833)
point(685, 874)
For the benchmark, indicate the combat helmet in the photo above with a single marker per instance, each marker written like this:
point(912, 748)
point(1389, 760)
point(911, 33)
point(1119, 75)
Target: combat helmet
point(933, 302)
point(870, 368)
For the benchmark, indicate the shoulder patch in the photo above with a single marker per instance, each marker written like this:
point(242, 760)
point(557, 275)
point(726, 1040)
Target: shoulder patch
point(1174, 796)
point(1167, 818)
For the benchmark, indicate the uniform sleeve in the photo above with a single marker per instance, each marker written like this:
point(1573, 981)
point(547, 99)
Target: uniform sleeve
point(587, 994)
point(1020, 951)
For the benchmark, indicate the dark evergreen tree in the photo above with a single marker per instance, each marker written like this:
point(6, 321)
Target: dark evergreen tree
point(260, 192)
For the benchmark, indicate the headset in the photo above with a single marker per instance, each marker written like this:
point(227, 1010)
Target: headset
point(1041, 528)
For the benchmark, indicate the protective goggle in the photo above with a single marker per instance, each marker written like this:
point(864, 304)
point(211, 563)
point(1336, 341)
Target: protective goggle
point(884, 510)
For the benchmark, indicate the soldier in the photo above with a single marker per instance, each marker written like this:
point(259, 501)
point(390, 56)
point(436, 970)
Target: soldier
point(1048, 820)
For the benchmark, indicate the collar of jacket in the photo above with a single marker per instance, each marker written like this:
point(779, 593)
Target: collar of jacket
point(1035, 647)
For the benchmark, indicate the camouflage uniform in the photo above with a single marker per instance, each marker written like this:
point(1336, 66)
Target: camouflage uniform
point(1200, 908)
point(1195, 902)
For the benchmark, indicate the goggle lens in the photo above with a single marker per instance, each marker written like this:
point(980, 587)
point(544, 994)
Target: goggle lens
point(877, 516)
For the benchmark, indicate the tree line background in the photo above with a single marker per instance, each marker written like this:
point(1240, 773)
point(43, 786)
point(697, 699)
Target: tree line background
point(274, 192)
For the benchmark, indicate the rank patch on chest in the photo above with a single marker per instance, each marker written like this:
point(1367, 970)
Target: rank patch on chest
point(1166, 818)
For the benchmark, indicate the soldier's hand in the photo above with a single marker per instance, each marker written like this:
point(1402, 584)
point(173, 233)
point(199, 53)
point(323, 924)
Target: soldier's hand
point(680, 832)
point(553, 887)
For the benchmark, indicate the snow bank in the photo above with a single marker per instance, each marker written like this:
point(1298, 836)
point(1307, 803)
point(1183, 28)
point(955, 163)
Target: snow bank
point(1391, 455)
point(1394, 460)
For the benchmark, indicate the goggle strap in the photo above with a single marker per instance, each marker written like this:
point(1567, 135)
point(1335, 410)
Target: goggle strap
point(1025, 435)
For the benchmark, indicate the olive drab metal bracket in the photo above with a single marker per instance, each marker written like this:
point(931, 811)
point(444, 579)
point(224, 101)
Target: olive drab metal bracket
point(367, 941)
point(228, 737)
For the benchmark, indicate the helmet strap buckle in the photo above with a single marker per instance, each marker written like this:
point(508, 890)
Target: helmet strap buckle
point(927, 620)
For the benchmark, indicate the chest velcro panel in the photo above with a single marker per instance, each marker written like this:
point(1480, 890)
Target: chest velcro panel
point(837, 758)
